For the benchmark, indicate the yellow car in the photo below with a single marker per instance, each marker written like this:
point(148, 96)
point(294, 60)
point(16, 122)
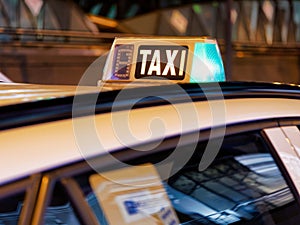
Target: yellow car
point(169, 153)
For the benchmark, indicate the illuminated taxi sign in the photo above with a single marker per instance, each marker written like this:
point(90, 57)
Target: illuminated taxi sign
point(168, 61)
point(180, 59)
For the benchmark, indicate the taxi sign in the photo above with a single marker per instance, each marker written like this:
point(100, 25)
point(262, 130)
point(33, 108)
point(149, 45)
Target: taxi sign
point(178, 59)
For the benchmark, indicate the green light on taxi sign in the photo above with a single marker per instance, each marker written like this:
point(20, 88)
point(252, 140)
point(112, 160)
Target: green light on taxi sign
point(207, 65)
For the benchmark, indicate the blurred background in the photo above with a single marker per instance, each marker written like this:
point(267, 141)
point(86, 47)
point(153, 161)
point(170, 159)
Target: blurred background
point(54, 41)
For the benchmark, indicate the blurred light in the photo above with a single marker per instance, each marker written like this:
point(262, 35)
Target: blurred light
point(207, 65)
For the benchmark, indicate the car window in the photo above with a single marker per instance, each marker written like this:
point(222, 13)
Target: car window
point(242, 185)
point(17, 200)
point(60, 209)
point(10, 208)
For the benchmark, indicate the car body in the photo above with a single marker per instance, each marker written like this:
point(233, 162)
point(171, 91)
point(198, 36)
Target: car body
point(219, 153)
point(163, 139)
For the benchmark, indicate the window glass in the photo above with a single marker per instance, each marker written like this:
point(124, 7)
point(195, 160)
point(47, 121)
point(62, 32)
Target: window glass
point(10, 209)
point(60, 210)
point(17, 200)
point(242, 185)
point(90, 197)
point(60, 214)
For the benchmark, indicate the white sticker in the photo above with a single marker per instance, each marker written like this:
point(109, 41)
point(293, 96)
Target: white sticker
point(138, 205)
point(133, 196)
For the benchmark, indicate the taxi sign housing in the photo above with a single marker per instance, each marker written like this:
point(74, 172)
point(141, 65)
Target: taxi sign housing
point(177, 59)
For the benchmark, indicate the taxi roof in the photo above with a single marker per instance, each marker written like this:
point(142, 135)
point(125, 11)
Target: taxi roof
point(23, 99)
point(51, 119)
point(18, 93)
point(21, 93)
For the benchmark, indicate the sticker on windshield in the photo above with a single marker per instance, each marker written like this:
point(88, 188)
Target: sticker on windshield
point(133, 196)
point(135, 206)
point(167, 61)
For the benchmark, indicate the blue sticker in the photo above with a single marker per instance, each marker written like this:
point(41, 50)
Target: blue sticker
point(132, 207)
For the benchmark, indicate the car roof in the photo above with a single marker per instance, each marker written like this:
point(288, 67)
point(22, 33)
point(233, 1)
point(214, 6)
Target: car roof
point(17, 93)
point(55, 102)
point(49, 139)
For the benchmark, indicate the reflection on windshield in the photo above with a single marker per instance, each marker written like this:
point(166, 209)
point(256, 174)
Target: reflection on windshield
point(11, 217)
point(234, 190)
point(242, 186)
